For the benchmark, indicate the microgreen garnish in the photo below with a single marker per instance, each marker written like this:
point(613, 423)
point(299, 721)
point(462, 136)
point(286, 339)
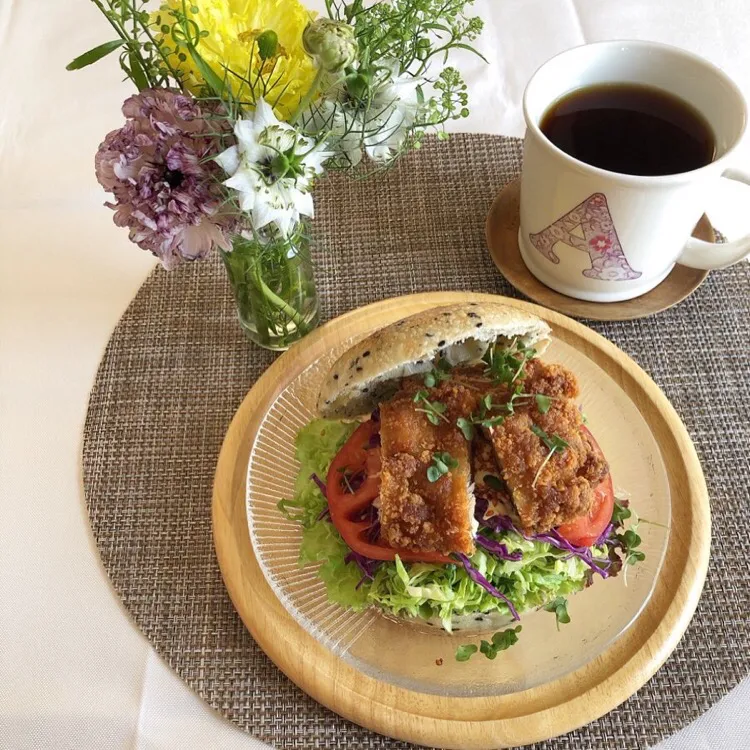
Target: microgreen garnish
point(435, 410)
point(559, 606)
point(620, 513)
point(623, 546)
point(442, 463)
point(483, 418)
point(440, 372)
point(485, 407)
point(494, 483)
point(629, 541)
point(501, 641)
point(465, 652)
point(466, 426)
point(543, 402)
point(555, 444)
point(506, 365)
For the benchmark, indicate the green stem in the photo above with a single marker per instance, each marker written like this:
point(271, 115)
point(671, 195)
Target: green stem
point(157, 46)
point(274, 299)
point(305, 101)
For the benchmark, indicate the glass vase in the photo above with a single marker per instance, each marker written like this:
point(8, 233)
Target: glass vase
point(273, 285)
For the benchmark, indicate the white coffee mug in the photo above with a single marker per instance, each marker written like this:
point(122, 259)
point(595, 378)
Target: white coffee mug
point(604, 236)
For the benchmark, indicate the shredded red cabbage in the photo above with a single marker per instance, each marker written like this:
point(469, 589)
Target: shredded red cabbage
point(374, 441)
point(498, 549)
point(604, 536)
point(373, 533)
point(584, 553)
point(321, 484)
point(365, 564)
point(504, 523)
point(325, 513)
point(478, 578)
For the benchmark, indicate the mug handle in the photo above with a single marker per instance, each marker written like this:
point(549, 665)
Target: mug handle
point(711, 255)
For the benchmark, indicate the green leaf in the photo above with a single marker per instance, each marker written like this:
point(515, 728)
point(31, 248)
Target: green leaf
point(212, 80)
point(501, 641)
point(553, 442)
point(470, 49)
point(488, 649)
point(433, 474)
point(543, 402)
point(559, 606)
point(620, 514)
point(438, 374)
point(433, 409)
point(442, 463)
point(635, 557)
point(137, 74)
point(447, 459)
point(94, 54)
point(466, 427)
point(494, 482)
point(504, 639)
point(465, 652)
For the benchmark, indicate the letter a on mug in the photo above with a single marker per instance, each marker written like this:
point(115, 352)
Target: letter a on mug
point(588, 227)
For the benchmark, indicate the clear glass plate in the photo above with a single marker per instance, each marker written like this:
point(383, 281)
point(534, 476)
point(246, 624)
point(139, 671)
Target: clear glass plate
point(423, 659)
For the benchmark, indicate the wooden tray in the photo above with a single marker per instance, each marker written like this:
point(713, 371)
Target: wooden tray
point(501, 230)
point(488, 722)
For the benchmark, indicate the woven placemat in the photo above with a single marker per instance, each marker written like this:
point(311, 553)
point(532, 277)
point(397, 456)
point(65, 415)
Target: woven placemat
point(177, 368)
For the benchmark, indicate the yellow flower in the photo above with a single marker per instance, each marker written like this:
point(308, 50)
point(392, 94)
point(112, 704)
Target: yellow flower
point(233, 27)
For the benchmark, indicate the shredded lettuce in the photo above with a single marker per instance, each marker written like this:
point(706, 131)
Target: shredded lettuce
point(420, 589)
point(316, 445)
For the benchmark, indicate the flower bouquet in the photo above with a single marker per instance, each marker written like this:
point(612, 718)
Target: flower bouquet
point(243, 104)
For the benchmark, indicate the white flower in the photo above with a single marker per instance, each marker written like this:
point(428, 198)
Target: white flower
point(381, 128)
point(342, 124)
point(392, 112)
point(272, 167)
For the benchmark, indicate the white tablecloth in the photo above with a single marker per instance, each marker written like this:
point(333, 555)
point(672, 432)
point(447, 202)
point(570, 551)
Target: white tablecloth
point(74, 671)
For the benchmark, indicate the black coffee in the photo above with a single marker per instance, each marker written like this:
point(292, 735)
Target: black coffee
point(631, 129)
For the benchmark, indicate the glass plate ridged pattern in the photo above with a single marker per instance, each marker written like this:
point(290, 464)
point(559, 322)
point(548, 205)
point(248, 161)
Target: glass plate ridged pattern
point(421, 658)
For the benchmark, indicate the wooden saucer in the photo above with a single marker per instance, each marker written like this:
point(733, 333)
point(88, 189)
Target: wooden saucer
point(501, 231)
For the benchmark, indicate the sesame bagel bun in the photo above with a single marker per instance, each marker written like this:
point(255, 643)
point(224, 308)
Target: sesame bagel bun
point(368, 372)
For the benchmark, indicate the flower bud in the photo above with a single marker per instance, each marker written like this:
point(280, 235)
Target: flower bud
point(357, 85)
point(332, 43)
point(268, 43)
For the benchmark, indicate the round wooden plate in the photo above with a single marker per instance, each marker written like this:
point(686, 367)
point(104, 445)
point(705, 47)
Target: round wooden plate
point(501, 230)
point(488, 722)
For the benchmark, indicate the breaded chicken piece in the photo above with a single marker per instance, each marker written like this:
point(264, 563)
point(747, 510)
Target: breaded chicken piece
point(415, 513)
point(550, 380)
point(489, 484)
point(547, 495)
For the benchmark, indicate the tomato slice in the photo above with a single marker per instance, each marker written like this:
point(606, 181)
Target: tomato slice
point(584, 531)
point(352, 484)
point(353, 479)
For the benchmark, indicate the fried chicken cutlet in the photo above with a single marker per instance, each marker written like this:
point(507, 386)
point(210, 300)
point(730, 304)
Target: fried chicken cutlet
point(549, 487)
point(416, 513)
point(537, 487)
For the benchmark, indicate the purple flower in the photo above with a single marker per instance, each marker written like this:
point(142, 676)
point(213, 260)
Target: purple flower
point(166, 187)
